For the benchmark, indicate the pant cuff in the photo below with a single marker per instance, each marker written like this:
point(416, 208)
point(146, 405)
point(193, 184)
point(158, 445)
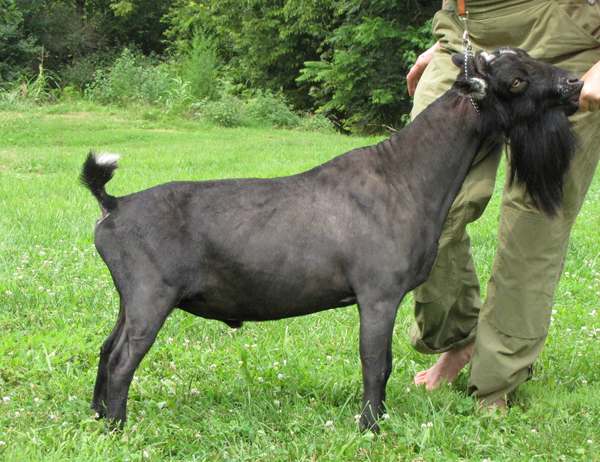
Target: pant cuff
point(419, 344)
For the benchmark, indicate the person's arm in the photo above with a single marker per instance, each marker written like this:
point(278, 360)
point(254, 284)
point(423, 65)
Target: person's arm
point(589, 99)
point(415, 73)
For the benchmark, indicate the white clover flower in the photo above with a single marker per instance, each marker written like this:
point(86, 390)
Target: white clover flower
point(279, 376)
point(6, 400)
point(329, 423)
point(260, 379)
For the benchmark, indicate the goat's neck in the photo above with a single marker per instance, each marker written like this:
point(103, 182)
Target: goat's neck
point(433, 154)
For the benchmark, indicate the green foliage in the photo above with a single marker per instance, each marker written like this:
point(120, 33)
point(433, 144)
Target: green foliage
point(199, 65)
point(36, 90)
point(346, 60)
point(264, 109)
point(362, 79)
point(272, 111)
point(264, 44)
point(80, 73)
point(177, 98)
point(17, 49)
point(132, 79)
point(228, 111)
point(71, 30)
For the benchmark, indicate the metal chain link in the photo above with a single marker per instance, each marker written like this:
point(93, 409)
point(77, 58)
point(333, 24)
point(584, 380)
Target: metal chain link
point(468, 50)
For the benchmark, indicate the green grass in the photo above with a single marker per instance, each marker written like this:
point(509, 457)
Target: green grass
point(278, 391)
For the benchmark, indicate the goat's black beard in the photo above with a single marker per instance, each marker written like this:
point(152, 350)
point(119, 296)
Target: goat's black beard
point(540, 154)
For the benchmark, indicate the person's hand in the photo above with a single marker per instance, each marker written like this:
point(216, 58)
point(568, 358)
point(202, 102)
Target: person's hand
point(589, 98)
point(415, 73)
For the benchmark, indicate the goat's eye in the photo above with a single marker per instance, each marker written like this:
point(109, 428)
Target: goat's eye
point(516, 83)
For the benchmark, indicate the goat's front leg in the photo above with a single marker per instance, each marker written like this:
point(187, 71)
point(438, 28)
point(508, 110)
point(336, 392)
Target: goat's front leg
point(376, 331)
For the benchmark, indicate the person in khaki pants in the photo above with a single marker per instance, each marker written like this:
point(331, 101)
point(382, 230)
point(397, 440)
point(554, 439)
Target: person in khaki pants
point(502, 337)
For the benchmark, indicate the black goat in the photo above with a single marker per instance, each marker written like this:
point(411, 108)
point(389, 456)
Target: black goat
point(362, 228)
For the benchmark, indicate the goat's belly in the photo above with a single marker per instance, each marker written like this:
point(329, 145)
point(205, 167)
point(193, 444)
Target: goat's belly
point(234, 308)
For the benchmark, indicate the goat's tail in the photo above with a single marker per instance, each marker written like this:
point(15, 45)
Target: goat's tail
point(98, 170)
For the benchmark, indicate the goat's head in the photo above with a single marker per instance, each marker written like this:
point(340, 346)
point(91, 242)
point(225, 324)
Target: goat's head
point(528, 101)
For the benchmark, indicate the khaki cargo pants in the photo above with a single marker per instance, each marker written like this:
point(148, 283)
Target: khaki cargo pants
point(510, 328)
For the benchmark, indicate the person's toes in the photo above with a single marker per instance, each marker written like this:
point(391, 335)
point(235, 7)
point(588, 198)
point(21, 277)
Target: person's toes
point(421, 378)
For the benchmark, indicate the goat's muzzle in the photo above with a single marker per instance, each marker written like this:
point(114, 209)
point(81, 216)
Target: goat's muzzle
point(570, 88)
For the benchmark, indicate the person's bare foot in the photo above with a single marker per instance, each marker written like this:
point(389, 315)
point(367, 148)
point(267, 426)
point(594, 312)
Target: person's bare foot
point(446, 368)
point(498, 409)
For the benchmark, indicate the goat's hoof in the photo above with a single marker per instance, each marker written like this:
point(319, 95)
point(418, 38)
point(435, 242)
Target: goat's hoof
point(369, 426)
point(99, 412)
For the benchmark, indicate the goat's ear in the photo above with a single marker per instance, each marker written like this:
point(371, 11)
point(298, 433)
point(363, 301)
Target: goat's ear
point(473, 87)
point(458, 60)
point(482, 60)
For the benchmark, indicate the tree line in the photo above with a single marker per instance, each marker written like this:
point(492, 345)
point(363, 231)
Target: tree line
point(346, 59)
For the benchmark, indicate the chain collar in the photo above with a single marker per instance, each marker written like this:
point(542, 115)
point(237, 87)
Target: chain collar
point(468, 50)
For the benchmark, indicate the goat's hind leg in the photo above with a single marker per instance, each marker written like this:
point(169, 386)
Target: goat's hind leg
point(100, 389)
point(143, 316)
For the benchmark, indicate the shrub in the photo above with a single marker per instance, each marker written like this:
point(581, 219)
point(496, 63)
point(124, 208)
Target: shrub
point(131, 79)
point(25, 90)
point(316, 123)
point(199, 66)
point(228, 111)
point(271, 110)
point(177, 98)
point(81, 72)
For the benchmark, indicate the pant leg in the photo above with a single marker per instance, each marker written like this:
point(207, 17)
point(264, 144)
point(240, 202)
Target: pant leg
point(532, 249)
point(447, 305)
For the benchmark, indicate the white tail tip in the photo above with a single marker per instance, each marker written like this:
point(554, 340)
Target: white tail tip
point(106, 158)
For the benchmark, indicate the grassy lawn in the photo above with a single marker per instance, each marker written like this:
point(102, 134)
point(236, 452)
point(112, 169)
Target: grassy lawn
point(278, 391)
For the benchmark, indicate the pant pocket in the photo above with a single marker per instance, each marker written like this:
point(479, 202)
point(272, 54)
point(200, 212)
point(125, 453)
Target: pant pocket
point(525, 275)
